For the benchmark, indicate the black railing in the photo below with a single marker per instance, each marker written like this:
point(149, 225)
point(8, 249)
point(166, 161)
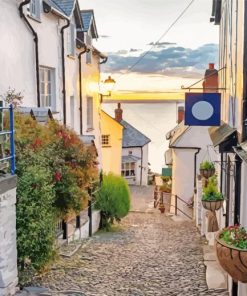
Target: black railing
point(189, 205)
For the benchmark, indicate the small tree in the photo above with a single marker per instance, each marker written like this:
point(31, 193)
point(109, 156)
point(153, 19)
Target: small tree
point(113, 199)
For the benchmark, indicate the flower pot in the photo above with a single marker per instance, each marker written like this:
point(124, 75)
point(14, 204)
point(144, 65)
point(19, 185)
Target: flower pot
point(162, 209)
point(207, 173)
point(233, 260)
point(212, 205)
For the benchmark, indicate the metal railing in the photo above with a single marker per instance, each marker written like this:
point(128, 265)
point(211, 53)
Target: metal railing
point(10, 132)
point(177, 208)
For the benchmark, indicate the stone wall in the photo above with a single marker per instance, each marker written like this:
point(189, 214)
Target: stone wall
point(8, 251)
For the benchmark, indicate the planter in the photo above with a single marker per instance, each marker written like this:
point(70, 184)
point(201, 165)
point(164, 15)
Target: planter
point(162, 208)
point(233, 260)
point(212, 205)
point(207, 173)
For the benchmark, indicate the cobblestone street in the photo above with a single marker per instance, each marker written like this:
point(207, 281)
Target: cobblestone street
point(149, 254)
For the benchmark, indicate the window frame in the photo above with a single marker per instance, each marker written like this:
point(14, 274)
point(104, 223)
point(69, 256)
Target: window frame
point(105, 140)
point(71, 42)
point(48, 81)
point(127, 170)
point(35, 9)
point(90, 109)
point(89, 53)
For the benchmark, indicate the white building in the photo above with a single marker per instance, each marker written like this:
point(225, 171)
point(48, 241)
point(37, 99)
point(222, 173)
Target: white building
point(47, 54)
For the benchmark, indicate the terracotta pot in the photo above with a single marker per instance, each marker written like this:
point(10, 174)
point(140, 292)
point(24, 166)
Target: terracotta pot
point(212, 205)
point(233, 260)
point(162, 209)
point(207, 173)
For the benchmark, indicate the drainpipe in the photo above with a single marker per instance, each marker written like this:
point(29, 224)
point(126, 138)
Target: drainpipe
point(141, 165)
point(36, 41)
point(85, 49)
point(63, 70)
point(195, 167)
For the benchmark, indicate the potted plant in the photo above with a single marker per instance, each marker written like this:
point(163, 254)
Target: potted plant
point(231, 249)
point(212, 199)
point(207, 169)
point(162, 207)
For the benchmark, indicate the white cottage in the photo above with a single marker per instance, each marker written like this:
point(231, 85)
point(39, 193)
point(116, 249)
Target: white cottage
point(134, 152)
point(47, 54)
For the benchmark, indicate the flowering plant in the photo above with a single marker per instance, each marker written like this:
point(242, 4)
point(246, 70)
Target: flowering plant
point(235, 236)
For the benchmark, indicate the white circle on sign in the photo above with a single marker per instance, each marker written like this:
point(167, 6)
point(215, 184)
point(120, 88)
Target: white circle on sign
point(202, 110)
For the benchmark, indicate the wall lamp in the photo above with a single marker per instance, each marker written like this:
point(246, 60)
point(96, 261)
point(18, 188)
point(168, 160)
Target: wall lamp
point(108, 86)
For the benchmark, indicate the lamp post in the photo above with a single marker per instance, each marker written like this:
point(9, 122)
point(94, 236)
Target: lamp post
point(108, 86)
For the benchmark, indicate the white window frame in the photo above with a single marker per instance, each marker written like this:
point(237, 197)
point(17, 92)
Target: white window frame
point(71, 40)
point(128, 169)
point(72, 112)
point(47, 87)
point(89, 54)
point(35, 9)
point(105, 140)
point(90, 120)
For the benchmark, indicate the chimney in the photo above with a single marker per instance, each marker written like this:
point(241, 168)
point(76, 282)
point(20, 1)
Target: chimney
point(210, 83)
point(119, 113)
point(180, 114)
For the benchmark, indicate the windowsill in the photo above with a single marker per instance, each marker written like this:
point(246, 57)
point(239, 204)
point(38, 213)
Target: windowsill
point(129, 177)
point(35, 18)
point(90, 129)
point(106, 146)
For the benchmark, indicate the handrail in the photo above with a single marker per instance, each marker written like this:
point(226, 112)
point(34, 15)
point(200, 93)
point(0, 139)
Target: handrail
point(12, 142)
point(177, 208)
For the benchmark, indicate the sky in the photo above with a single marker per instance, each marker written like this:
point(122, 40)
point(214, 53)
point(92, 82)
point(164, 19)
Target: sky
point(127, 29)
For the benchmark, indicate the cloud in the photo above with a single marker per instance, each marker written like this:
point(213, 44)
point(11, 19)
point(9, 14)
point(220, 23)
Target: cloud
point(173, 60)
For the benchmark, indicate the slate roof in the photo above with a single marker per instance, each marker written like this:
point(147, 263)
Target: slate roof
point(87, 16)
point(176, 133)
point(130, 158)
point(65, 6)
point(41, 114)
point(132, 137)
point(88, 19)
point(219, 134)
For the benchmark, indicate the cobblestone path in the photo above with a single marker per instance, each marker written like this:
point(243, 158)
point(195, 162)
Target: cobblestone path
point(151, 255)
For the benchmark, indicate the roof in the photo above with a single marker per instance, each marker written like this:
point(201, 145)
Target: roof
point(176, 133)
point(132, 137)
point(89, 22)
point(130, 158)
point(219, 134)
point(112, 118)
point(65, 6)
point(241, 150)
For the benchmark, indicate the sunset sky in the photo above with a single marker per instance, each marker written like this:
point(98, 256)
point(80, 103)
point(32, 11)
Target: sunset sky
point(129, 28)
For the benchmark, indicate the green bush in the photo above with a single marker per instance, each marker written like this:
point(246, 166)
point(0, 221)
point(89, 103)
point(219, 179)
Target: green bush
point(113, 200)
point(210, 192)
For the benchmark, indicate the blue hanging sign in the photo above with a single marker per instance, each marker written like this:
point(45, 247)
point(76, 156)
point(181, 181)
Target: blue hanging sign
point(202, 109)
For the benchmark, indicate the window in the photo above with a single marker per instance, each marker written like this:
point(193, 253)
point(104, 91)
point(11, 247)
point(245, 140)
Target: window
point(71, 40)
point(89, 54)
point(128, 169)
point(72, 110)
point(105, 140)
point(47, 87)
point(35, 9)
point(89, 113)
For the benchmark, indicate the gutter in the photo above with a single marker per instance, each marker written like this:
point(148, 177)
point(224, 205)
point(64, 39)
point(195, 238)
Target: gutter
point(80, 85)
point(36, 41)
point(63, 70)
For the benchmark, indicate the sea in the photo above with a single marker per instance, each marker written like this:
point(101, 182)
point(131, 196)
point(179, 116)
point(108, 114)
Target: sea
point(154, 120)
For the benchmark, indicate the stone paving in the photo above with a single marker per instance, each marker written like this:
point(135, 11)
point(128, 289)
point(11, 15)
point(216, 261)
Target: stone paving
point(150, 255)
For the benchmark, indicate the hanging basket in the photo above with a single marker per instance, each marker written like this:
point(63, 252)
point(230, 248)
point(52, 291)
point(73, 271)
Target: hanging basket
point(233, 260)
point(207, 173)
point(213, 205)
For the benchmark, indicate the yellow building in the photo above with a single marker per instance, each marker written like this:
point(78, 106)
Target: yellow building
point(112, 135)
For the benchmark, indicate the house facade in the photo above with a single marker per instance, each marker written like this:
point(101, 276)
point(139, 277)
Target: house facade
point(111, 141)
point(230, 138)
point(48, 55)
point(134, 152)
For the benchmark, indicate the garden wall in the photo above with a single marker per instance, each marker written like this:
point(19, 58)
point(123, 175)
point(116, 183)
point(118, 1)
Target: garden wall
point(8, 250)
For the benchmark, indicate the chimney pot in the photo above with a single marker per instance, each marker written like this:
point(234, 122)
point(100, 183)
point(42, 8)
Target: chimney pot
point(211, 66)
point(119, 113)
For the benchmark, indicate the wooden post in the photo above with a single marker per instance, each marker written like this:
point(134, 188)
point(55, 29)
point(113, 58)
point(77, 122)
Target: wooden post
point(90, 211)
point(176, 205)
